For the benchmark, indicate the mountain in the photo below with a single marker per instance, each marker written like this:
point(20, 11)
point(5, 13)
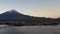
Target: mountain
point(13, 14)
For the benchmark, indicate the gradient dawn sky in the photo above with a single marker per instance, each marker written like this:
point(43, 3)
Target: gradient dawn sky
point(39, 8)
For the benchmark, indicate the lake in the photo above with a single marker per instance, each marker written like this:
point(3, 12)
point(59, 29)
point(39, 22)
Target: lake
point(5, 29)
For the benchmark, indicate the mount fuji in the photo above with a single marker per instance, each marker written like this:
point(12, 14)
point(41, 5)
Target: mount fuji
point(13, 14)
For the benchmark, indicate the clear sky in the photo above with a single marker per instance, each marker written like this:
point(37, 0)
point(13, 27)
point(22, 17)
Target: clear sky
point(40, 8)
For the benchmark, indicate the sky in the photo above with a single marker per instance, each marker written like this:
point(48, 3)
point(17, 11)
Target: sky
point(38, 8)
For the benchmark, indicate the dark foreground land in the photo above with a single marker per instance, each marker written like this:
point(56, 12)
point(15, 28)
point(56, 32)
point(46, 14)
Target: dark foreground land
point(42, 21)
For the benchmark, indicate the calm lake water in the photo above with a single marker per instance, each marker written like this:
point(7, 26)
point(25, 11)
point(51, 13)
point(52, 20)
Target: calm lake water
point(5, 29)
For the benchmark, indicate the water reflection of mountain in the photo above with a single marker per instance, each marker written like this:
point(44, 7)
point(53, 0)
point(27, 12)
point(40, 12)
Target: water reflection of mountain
point(13, 17)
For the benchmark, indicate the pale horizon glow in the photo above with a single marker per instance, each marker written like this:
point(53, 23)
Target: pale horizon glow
point(39, 8)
